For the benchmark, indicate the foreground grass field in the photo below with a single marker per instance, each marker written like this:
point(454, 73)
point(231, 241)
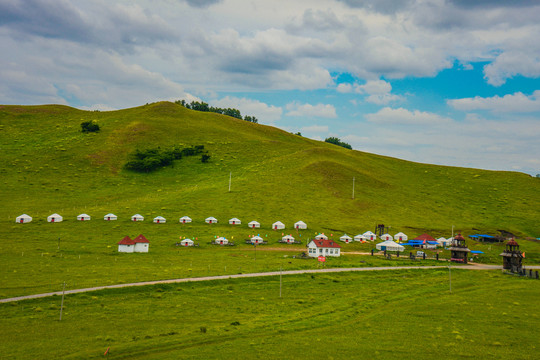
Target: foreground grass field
point(378, 315)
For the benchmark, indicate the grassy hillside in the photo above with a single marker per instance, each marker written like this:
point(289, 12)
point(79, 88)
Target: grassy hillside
point(48, 165)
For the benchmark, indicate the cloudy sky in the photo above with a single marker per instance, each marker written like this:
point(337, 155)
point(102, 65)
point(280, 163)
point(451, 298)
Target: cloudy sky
point(452, 82)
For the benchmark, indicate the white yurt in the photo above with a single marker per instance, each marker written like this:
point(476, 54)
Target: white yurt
point(288, 239)
point(360, 237)
point(300, 225)
point(401, 237)
point(254, 224)
point(389, 245)
point(55, 218)
point(210, 220)
point(278, 225)
point(370, 235)
point(185, 219)
point(160, 220)
point(83, 217)
point(386, 237)
point(221, 241)
point(234, 221)
point(256, 239)
point(346, 238)
point(137, 217)
point(187, 242)
point(21, 219)
point(110, 217)
point(321, 237)
point(444, 242)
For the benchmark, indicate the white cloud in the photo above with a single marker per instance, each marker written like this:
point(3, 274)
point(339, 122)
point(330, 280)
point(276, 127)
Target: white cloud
point(510, 64)
point(402, 116)
point(308, 110)
point(378, 91)
point(315, 129)
point(263, 112)
point(517, 102)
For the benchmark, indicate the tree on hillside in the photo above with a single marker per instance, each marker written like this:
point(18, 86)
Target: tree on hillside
point(89, 126)
point(338, 142)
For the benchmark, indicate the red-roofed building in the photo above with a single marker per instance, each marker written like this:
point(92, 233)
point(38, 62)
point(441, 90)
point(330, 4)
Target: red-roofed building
point(141, 244)
point(425, 237)
point(126, 245)
point(323, 248)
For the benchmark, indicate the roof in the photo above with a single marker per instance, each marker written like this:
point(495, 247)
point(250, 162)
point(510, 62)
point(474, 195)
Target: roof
point(512, 242)
point(326, 243)
point(141, 239)
point(126, 241)
point(425, 237)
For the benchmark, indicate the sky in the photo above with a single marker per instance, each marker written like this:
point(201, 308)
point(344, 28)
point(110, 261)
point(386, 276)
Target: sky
point(449, 82)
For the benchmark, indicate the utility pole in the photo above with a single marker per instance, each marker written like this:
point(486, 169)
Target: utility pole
point(280, 271)
point(353, 187)
point(230, 178)
point(450, 277)
point(62, 304)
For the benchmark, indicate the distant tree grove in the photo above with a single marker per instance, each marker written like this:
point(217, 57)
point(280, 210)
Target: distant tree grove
point(337, 141)
point(202, 106)
point(152, 159)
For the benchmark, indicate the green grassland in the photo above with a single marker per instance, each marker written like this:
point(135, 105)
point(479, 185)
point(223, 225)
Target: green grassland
point(377, 315)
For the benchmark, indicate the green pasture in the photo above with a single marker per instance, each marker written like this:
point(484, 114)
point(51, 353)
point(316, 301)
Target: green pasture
point(370, 315)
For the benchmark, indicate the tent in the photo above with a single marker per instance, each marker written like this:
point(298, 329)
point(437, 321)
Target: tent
point(360, 237)
point(222, 241)
point(211, 220)
point(254, 224)
point(55, 218)
point(137, 217)
point(444, 242)
point(126, 245)
point(321, 237)
point(256, 239)
point(234, 221)
point(83, 217)
point(386, 237)
point(21, 219)
point(187, 242)
point(300, 225)
point(110, 217)
point(389, 245)
point(401, 237)
point(370, 235)
point(288, 239)
point(346, 238)
point(185, 219)
point(278, 225)
point(160, 220)
point(141, 244)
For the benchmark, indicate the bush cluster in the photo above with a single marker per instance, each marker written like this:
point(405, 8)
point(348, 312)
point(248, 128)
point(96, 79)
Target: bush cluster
point(89, 126)
point(338, 142)
point(152, 159)
point(202, 106)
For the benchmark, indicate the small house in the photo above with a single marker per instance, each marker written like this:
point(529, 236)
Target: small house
point(323, 248)
point(288, 239)
point(300, 225)
point(137, 217)
point(141, 244)
point(210, 220)
point(126, 245)
point(321, 237)
point(428, 241)
point(444, 242)
point(360, 238)
point(185, 219)
point(254, 224)
point(160, 220)
point(110, 217)
point(256, 240)
point(401, 237)
point(55, 218)
point(221, 241)
point(346, 238)
point(459, 251)
point(386, 237)
point(234, 221)
point(187, 242)
point(389, 245)
point(370, 235)
point(278, 225)
point(83, 217)
point(21, 219)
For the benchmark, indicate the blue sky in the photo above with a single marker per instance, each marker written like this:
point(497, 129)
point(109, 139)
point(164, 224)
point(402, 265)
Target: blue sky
point(450, 82)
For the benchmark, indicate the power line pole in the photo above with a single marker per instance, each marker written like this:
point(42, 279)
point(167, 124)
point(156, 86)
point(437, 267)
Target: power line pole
point(230, 178)
point(280, 271)
point(62, 304)
point(353, 187)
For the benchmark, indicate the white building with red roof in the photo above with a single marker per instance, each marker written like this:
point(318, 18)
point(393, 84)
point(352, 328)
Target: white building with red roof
point(323, 248)
point(141, 244)
point(126, 245)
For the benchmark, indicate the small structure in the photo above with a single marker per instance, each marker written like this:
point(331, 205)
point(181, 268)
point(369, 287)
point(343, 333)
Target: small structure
point(427, 241)
point(141, 244)
point(221, 241)
point(288, 239)
point(256, 240)
point(278, 225)
point(160, 220)
point(399, 237)
point(370, 235)
point(254, 224)
point(512, 257)
point(360, 238)
point(323, 248)
point(83, 217)
point(234, 221)
point(110, 217)
point(210, 220)
point(21, 219)
point(185, 219)
point(486, 238)
point(443, 241)
point(137, 217)
point(389, 245)
point(321, 237)
point(300, 225)
point(386, 237)
point(459, 250)
point(346, 238)
point(187, 242)
point(54, 218)
point(126, 245)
